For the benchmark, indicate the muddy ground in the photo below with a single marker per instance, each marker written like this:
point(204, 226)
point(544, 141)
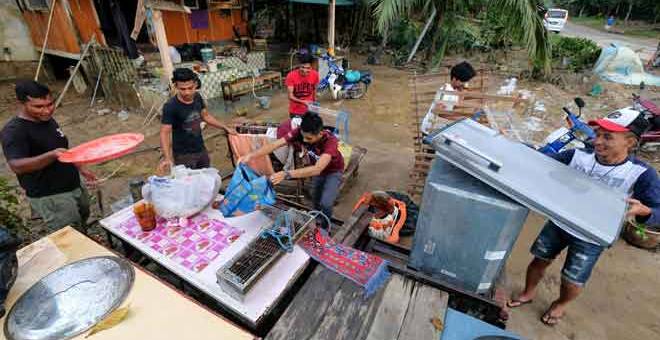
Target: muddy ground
point(620, 301)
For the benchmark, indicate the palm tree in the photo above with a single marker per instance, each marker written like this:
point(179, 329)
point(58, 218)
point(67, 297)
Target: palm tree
point(520, 18)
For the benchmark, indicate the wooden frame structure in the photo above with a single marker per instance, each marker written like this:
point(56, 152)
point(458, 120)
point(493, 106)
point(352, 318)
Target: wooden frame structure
point(232, 90)
point(423, 90)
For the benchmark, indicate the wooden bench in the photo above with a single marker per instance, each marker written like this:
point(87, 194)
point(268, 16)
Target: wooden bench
point(231, 90)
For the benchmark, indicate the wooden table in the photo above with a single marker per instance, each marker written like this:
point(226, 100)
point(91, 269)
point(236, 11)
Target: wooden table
point(156, 310)
point(329, 306)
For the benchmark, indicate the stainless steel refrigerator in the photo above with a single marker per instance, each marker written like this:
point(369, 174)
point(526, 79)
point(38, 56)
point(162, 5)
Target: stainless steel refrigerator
point(465, 230)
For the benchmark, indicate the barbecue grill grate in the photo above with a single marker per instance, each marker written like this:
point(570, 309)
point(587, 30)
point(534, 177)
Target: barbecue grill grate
point(239, 274)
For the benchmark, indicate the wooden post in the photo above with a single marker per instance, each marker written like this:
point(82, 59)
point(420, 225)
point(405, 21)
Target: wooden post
point(75, 70)
point(331, 26)
point(43, 46)
point(163, 47)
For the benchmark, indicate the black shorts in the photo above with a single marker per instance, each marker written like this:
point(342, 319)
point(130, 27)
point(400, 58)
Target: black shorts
point(198, 160)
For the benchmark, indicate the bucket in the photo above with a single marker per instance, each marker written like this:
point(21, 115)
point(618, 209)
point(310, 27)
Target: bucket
point(649, 239)
point(213, 65)
point(264, 102)
point(207, 54)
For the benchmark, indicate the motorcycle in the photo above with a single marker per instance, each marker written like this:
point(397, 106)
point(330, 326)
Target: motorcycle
point(651, 138)
point(577, 131)
point(349, 84)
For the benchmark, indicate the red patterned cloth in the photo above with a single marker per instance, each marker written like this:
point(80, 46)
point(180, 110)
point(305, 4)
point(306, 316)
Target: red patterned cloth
point(367, 270)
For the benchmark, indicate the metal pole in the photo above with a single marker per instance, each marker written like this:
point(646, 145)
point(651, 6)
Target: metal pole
point(43, 46)
point(96, 88)
point(421, 36)
point(75, 70)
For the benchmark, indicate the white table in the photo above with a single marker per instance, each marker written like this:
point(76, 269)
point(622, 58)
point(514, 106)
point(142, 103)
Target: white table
point(263, 295)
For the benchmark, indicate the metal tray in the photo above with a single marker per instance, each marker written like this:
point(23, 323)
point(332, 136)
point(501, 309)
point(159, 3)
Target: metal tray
point(70, 300)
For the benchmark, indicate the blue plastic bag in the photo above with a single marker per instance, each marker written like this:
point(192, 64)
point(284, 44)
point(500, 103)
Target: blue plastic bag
point(245, 192)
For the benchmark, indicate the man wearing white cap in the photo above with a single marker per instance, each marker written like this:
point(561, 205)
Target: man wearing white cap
point(610, 162)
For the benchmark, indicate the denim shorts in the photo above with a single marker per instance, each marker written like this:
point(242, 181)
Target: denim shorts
point(580, 260)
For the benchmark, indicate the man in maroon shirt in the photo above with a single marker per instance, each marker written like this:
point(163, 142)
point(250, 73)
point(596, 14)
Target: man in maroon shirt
point(301, 84)
point(323, 148)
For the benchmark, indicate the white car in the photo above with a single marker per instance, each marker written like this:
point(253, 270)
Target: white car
point(555, 19)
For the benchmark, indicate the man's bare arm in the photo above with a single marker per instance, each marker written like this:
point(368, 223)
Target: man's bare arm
point(31, 164)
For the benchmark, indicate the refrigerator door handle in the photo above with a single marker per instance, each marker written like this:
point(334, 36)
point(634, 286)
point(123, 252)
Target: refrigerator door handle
point(450, 140)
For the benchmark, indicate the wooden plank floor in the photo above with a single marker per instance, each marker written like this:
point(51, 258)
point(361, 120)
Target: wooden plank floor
point(331, 307)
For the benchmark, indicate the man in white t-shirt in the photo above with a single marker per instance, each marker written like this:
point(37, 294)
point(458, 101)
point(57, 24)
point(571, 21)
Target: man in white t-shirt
point(459, 75)
point(611, 163)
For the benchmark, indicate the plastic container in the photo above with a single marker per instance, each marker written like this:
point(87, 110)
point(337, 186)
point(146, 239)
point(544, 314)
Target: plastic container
point(647, 239)
point(207, 54)
point(145, 214)
point(213, 65)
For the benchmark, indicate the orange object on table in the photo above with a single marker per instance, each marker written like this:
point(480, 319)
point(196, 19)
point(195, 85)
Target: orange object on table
point(145, 214)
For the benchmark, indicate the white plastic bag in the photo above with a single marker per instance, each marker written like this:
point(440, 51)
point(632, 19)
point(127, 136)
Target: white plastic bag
point(184, 193)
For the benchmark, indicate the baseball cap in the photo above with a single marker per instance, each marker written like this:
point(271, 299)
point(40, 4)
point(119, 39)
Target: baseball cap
point(623, 120)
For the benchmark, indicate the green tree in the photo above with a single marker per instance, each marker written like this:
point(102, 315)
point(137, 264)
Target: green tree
point(520, 20)
point(648, 10)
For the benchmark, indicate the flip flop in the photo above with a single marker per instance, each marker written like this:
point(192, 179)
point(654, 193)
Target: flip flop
point(517, 302)
point(550, 320)
point(503, 316)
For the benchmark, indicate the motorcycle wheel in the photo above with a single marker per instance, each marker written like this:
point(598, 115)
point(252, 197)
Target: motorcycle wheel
point(357, 91)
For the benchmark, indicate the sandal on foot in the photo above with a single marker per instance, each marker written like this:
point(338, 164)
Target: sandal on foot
point(515, 303)
point(550, 320)
point(503, 316)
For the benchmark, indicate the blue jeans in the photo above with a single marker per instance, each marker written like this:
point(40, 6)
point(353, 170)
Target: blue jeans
point(325, 189)
point(580, 260)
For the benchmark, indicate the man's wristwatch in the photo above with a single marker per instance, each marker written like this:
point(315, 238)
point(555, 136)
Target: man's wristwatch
point(287, 175)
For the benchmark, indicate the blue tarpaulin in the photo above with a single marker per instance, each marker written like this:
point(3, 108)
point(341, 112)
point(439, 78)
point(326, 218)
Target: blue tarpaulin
point(325, 2)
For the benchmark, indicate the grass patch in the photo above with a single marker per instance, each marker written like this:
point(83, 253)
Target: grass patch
point(644, 31)
point(593, 22)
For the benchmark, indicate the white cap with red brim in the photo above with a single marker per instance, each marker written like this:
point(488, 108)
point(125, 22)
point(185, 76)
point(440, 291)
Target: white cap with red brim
point(623, 120)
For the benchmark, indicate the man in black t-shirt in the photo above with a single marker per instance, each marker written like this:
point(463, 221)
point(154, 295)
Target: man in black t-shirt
point(181, 121)
point(31, 142)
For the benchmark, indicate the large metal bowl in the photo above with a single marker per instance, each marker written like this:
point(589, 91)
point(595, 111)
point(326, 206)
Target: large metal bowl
point(70, 300)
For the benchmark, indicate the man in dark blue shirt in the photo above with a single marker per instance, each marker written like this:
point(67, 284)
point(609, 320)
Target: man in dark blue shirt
point(611, 163)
